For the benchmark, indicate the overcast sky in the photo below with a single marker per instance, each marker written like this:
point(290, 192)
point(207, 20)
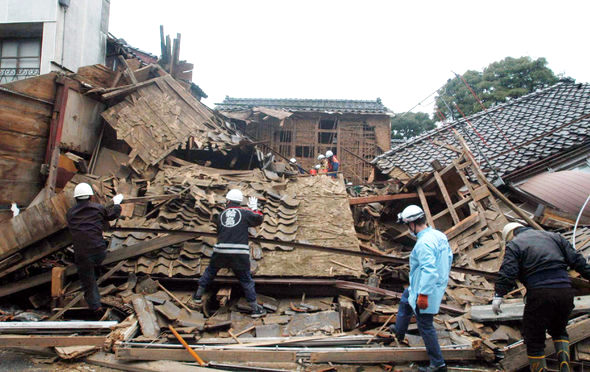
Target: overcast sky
point(400, 51)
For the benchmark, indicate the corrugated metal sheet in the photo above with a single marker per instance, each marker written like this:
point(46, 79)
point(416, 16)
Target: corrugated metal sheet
point(565, 190)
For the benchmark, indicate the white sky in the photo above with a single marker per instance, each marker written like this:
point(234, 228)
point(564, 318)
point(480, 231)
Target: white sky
point(400, 51)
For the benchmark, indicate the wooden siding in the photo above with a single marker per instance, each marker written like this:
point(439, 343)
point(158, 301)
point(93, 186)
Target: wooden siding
point(24, 128)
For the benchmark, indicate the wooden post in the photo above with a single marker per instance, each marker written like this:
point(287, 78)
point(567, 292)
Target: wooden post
point(58, 277)
point(446, 196)
point(425, 206)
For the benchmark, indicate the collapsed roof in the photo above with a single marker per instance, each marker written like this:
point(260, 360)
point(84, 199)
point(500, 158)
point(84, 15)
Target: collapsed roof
point(522, 133)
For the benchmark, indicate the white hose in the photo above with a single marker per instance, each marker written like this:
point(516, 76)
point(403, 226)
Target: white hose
point(578, 220)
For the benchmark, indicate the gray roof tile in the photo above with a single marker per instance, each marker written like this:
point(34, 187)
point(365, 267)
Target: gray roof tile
point(299, 105)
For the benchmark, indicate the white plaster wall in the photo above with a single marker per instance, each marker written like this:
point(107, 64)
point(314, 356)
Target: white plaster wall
point(85, 23)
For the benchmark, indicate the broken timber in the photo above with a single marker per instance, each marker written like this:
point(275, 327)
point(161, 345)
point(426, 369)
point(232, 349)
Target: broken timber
point(50, 340)
point(381, 198)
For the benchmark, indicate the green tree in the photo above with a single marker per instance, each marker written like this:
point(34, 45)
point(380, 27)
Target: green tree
point(506, 79)
point(410, 124)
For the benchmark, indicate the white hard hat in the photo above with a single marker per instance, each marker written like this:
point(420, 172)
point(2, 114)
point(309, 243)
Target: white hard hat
point(508, 228)
point(317, 166)
point(329, 154)
point(293, 160)
point(83, 191)
point(321, 156)
point(410, 213)
point(235, 195)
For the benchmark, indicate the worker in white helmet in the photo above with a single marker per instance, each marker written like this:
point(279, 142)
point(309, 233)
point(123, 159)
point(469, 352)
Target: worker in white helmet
point(540, 260)
point(333, 164)
point(296, 165)
point(231, 250)
point(430, 264)
point(86, 221)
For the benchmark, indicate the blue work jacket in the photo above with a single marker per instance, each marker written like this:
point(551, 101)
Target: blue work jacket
point(430, 264)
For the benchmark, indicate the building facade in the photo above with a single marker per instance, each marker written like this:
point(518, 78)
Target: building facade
point(356, 131)
point(40, 36)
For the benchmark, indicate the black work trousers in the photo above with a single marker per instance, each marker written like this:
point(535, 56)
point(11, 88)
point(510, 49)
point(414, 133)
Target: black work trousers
point(239, 264)
point(87, 265)
point(546, 310)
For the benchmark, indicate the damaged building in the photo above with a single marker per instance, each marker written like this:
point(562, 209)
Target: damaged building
point(137, 127)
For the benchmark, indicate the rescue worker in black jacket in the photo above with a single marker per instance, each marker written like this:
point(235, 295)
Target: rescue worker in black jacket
point(231, 250)
point(540, 260)
point(86, 221)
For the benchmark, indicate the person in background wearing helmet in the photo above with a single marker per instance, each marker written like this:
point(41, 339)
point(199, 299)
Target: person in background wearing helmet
point(294, 163)
point(86, 221)
point(540, 260)
point(314, 171)
point(333, 164)
point(430, 264)
point(231, 250)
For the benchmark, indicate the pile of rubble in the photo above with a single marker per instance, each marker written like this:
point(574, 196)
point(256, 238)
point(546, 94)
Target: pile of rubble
point(330, 262)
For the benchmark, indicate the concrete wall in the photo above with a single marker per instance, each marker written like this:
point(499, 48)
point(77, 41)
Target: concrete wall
point(72, 37)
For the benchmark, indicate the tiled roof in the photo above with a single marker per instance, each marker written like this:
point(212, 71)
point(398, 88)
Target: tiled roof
point(304, 105)
point(512, 135)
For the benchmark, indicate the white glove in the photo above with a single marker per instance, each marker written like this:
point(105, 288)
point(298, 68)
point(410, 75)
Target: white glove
point(253, 203)
point(496, 302)
point(14, 209)
point(117, 199)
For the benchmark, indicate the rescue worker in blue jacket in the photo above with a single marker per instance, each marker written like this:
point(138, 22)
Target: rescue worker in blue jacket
point(86, 221)
point(430, 264)
point(231, 250)
point(540, 260)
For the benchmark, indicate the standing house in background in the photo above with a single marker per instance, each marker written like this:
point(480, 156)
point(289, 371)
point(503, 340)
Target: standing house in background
point(356, 131)
point(41, 36)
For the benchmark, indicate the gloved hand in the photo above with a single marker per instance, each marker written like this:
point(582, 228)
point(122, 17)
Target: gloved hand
point(253, 203)
point(422, 301)
point(117, 199)
point(496, 303)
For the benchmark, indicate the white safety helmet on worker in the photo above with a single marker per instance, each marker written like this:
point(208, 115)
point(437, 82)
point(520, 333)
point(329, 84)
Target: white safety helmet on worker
point(235, 195)
point(293, 160)
point(410, 214)
point(83, 191)
point(317, 166)
point(321, 156)
point(508, 230)
point(329, 154)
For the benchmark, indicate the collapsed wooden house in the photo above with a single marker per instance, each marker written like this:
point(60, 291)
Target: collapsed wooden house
point(356, 131)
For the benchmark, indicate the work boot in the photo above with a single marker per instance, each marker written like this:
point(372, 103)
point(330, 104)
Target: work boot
point(537, 363)
point(442, 368)
point(195, 303)
point(562, 349)
point(257, 310)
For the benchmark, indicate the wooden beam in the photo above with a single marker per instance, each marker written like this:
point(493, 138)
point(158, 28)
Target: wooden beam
point(387, 355)
point(462, 226)
point(515, 357)
point(110, 361)
point(128, 71)
point(81, 294)
point(51, 325)
point(49, 341)
point(425, 206)
point(251, 355)
point(58, 276)
point(382, 198)
point(446, 197)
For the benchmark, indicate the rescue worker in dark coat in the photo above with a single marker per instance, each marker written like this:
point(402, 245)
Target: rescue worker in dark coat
point(231, 250)
point(86, 221)
point(540, 260)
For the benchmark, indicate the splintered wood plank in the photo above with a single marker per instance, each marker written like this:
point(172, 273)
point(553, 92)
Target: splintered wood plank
point(207, 355)
point(50, 341)
point(425, 206)
point(386, 355)
point(462, 226)
point(110, 361)
point(147, 316)
point(446, 197)
point(381, 198)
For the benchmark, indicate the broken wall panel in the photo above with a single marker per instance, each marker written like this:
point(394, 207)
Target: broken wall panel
point(82, 123)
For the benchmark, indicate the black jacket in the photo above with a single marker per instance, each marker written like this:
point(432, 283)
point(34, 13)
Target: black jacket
point(87, 221)
point(539, 259)
point(232, 229)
